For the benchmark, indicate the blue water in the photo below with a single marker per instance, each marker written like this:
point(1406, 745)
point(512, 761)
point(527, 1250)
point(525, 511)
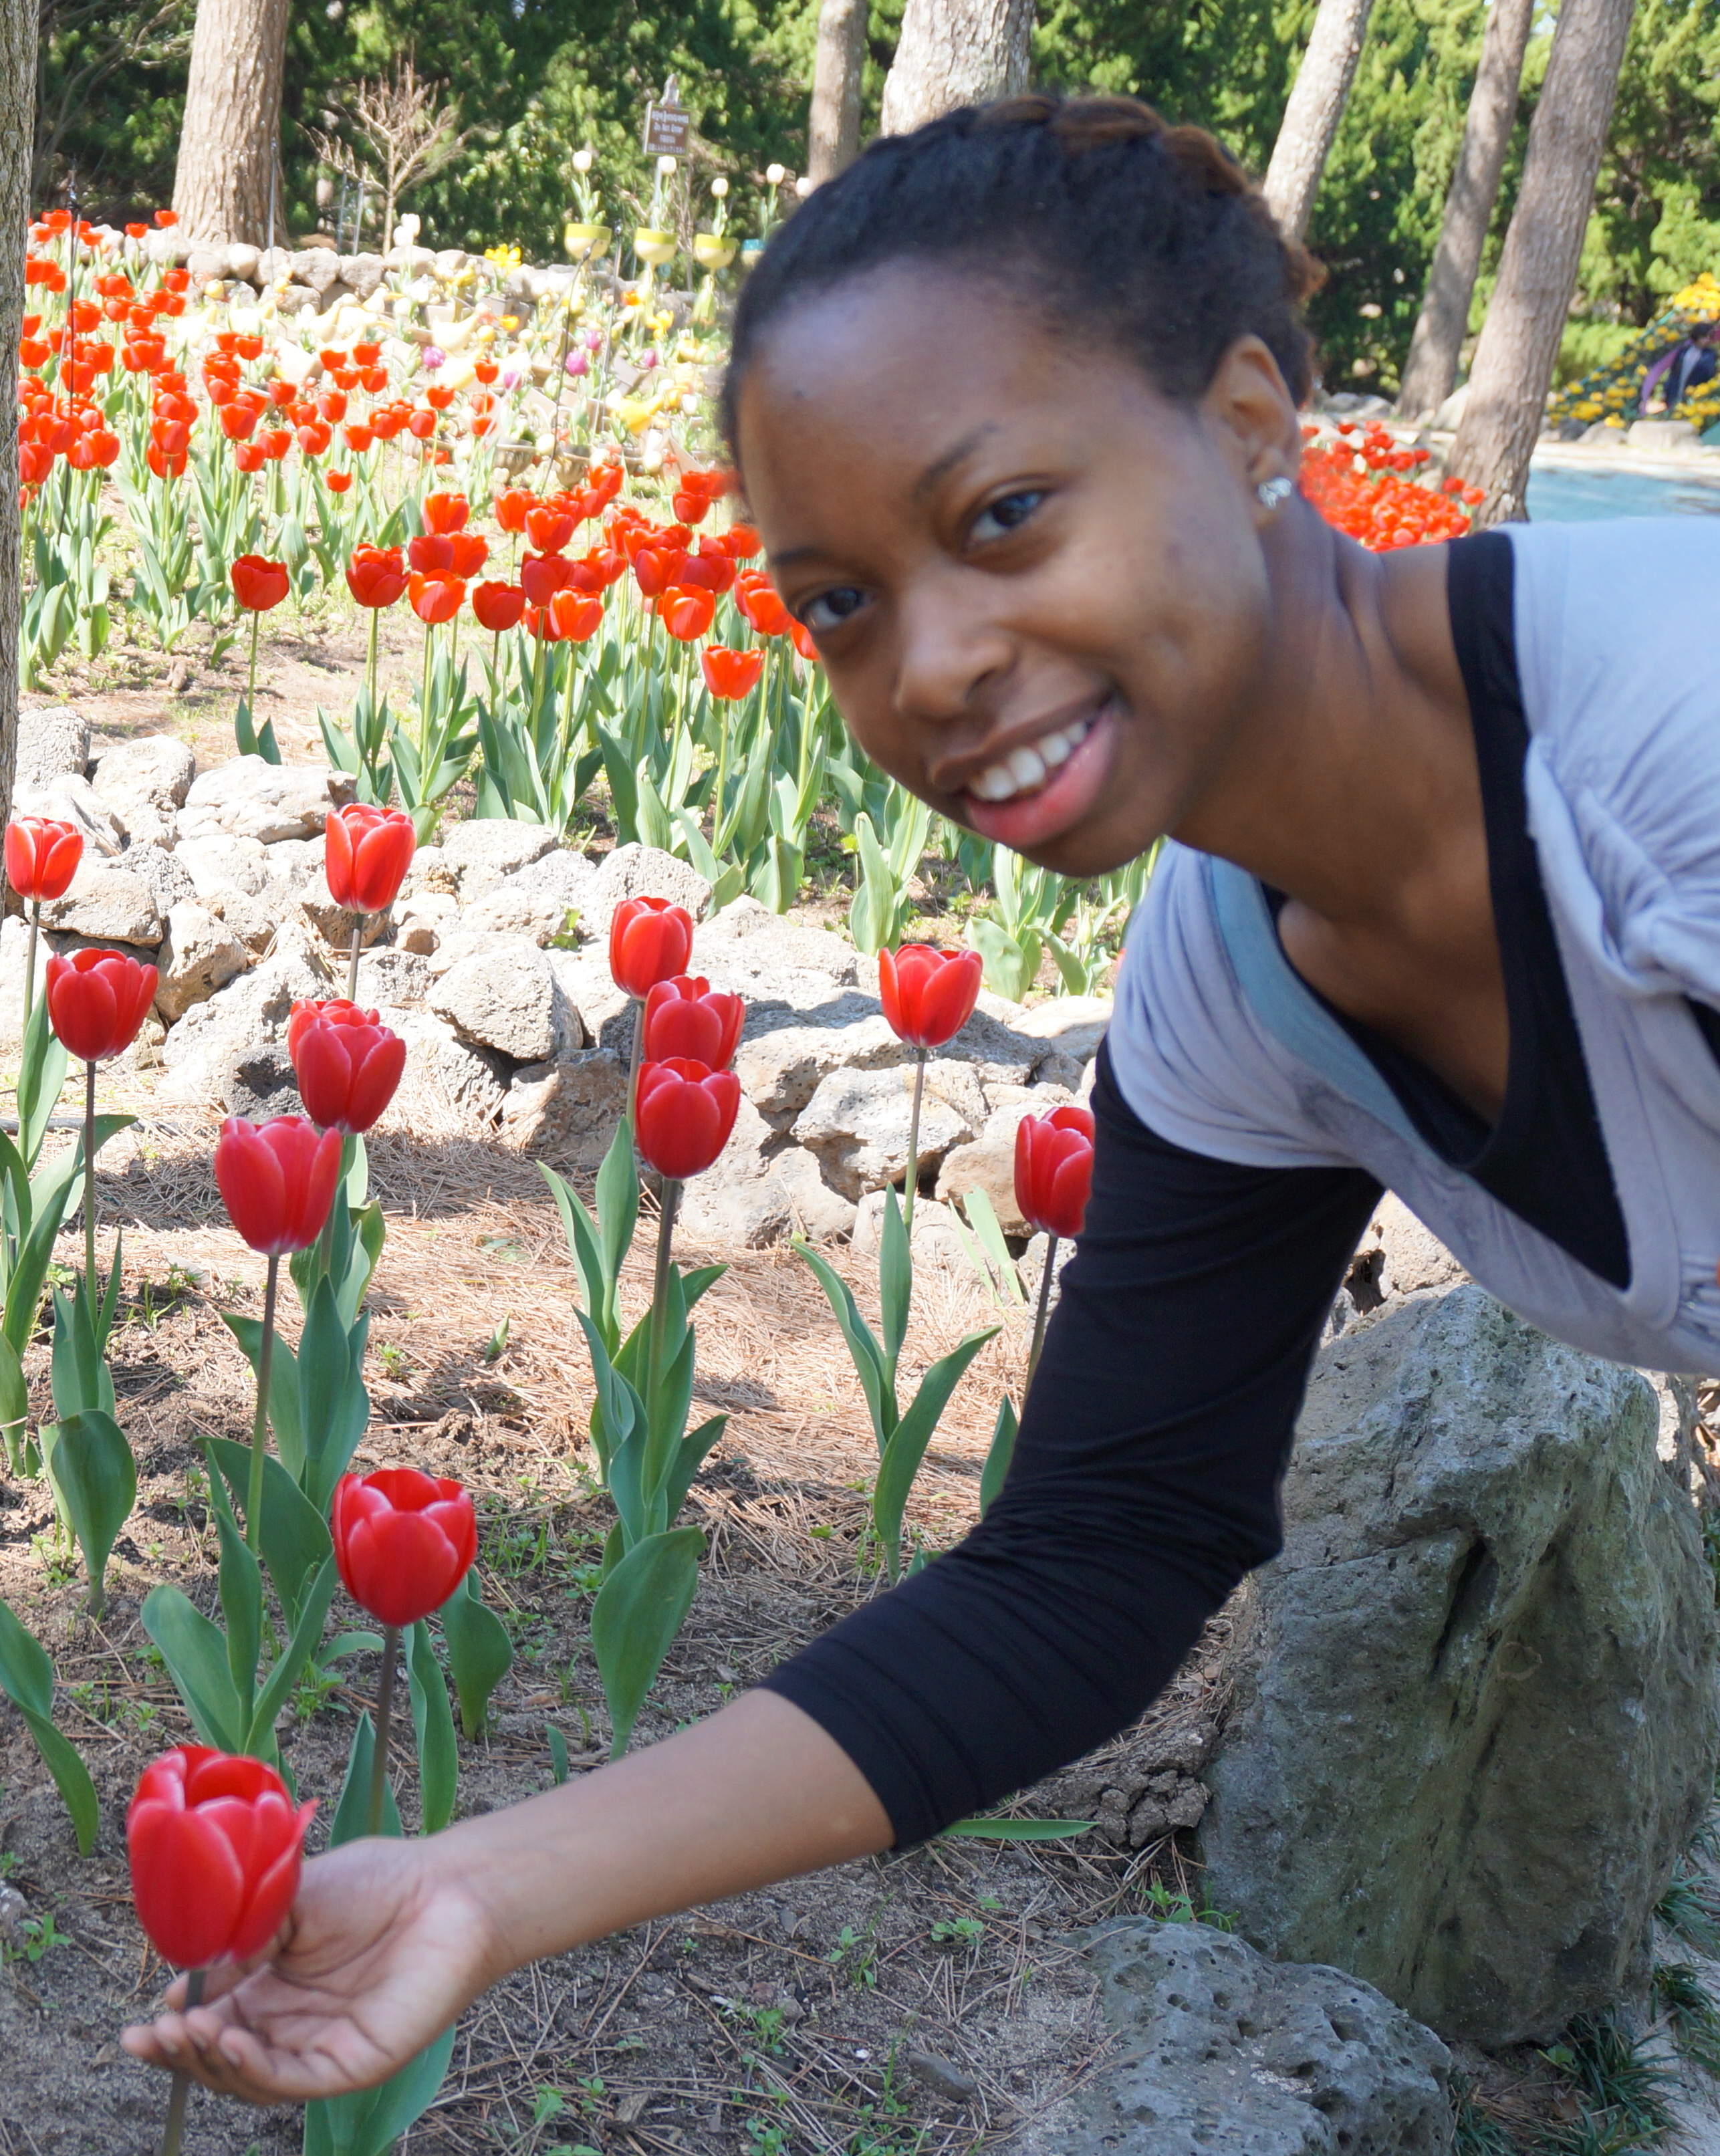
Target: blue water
point(1559, 496)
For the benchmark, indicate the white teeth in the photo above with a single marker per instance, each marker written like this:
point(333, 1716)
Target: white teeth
point(1026, 767)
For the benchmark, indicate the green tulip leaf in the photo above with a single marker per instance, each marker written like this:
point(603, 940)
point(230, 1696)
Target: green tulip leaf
point(51, 1193)
point(96, 1477)
point(689, 1456)
point(241, 1588)
point(1005, 1432)
point(479, 1652)
point(432, 1721)
point(196, 1655)
point(351, 1821)
point(868, 1357)
point(41, 1078)
point(295, 1537)
point(292, 1662)
point(27, 1679)
point(909, 1439)
point(369, 2124)
point(896, 1281)
point(981, 1828)
point(639, 1608)
point(283, 1389)
point(14, 1404)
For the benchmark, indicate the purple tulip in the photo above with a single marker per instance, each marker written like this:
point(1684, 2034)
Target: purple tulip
point(578, 363)
point(433, 356)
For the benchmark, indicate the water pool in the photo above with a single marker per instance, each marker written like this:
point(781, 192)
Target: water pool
point(1558, 495)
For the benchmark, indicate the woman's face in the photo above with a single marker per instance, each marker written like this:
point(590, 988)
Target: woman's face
point(1036, 583)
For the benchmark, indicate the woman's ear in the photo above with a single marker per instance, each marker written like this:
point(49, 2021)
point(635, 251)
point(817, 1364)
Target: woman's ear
point(1248, 404)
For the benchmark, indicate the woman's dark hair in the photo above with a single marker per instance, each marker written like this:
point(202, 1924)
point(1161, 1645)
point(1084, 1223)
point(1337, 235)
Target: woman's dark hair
point(1149, 237)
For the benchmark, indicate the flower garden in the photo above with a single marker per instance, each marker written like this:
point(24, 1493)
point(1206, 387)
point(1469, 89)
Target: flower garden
point(245, 1599)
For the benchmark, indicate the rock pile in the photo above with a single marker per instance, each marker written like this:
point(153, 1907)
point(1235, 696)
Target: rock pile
point(493, 967)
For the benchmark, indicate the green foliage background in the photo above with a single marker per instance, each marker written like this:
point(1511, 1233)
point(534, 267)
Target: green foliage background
point(533, 78)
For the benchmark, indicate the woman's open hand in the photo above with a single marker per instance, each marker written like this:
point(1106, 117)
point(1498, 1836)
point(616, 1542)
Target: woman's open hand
point(381, 1951)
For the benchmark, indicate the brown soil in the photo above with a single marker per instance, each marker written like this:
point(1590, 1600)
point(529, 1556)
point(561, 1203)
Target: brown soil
point(781, 2021)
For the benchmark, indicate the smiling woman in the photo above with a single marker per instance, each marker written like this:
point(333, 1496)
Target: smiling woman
point(1015, 404)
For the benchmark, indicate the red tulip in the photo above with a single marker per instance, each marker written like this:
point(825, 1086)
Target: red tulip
point(436, 599)
point(498, 606)
point(431, 554)
point(96, 1001)
point(347, 1073)
point(573, 617)
point(214, 1843)
point(650, 940)
point(42, 856)
point(376, 576)
point(1054, 1169)
point(339, 482)
point(336, 1010)
point(443, 512)
point(683, 1018)
point(512, 507)
point(542, 576)
point(549, 530)
point(687, 612)
point(683, 1113)
point(277, 1180)
point(365, 854)
point(730, 674)
point(259, 583)
point(928, 995)
point(403, 1541)
point(763, 608)
point(470, 551)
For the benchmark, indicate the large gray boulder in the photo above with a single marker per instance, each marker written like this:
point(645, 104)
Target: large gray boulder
point(758, 1191)
point(144, 782)
point(52, 740)
point(107, 905)
point(1474, 1706)
point(504, 997)
point(858, 1123)
point(248, 798)
point(1231, 2055)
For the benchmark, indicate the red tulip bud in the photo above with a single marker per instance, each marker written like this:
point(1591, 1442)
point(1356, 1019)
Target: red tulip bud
point(650, 940)
point(683, 1018)
point(366, 852)
point(97, 1000)
point(42, 856)
point(277, 1180)
point(214, 1843)
point(403, 1541)
point(347, 1073)
point(683, 1115)
point(1054, 1169)
point(928, 995)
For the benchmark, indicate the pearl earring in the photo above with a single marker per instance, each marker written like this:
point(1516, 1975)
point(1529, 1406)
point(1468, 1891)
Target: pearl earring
point(1273, 493)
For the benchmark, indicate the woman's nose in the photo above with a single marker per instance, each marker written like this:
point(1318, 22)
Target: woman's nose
point(951, 652)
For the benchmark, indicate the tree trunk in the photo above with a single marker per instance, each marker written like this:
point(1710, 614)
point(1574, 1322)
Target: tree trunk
point(1317, 102)
point(955, 51)
point(228, 142)
point(1432, 365)
point(17, 133)
point(1538, 272)
point(833, 138)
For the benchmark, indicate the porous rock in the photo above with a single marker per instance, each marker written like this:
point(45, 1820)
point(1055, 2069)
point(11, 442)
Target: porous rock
point(482, 850)
point(449, 1076)
point(69, 797)
point(936, 1239)
point(53, 740)
point(504, 997)
point(1396, 1256)
point(1076, 1025)
point(606, 1013)
point(144, 782)
point(789, 1048)
point(296, 863)
point(858, 1121)
point(250, 1013)
point(392, 976)
point(14, 946)
point(166, 876)
point(255, 918)
point(362, 274)
point(107, 905)
point(198, 954)
point(567, 880)
point(504, 911)
point(1474, 1710)
point(335, 924)
point(257, 1083)
point(759, 1191)
point(645, 872)
point(249, 797)
point(1231, 2055)
point(567, 1108)
point(222, 863)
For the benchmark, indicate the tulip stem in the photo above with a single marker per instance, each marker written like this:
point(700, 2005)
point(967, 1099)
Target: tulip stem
point(1039, 1316)
point(352, 960)
point(385, 1715)
point(660, 1295)
point(174, 2131)
point(633, 1056)
point(370, 665)
point(30, 960)
point(259, 1427)
point(90, 1187)
point(251, 692)
point(907, 1210)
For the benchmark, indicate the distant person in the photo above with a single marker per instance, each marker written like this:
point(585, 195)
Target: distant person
point(1686, 367)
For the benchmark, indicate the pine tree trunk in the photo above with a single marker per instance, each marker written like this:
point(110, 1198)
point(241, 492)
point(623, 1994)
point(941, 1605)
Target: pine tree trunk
point(228, 140)
point(955, 51)
point(1538, 272)
point(1432, 365)
point(833, 137)
point(1316, 103)
point(18, 101)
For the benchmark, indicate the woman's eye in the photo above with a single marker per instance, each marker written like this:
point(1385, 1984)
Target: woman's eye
point(998, 518)
point(830, 609)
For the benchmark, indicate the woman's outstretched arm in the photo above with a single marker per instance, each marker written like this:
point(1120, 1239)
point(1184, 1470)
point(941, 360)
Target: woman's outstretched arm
point(389, 1941)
